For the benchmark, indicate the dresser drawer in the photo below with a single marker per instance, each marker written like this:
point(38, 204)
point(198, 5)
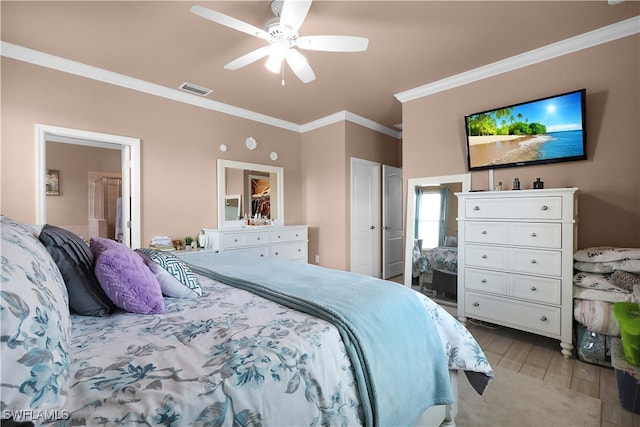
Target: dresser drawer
point(485, 232)
point(287, 235)
point(235, 240)
point(536, 234)
point(515, 208)
point(539, 289)
point(538, 318)
point(485, 280)
point(486, 256)
point(535, 261)
point(259, 251)
point(290, 251)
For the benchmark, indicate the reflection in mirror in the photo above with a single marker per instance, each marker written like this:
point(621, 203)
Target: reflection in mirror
point(232, 207)
point(259, 188)
point(432, 209)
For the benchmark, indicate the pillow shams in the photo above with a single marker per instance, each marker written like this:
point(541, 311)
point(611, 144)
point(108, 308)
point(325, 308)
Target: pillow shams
point(35, 325)
point(76, 262)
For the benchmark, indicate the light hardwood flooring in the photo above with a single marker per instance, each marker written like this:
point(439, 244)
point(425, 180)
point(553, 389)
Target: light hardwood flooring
point(540, 357)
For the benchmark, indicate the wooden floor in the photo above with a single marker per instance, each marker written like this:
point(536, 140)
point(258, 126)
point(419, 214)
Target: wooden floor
point(540, 357)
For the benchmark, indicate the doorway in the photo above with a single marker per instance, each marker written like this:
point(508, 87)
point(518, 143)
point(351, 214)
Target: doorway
point(130, 172)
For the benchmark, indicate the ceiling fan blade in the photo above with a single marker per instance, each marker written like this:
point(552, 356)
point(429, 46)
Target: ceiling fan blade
point(300, 66)
point(229, 21)
point(333, 43)
point(294, 12)
point(247, 59)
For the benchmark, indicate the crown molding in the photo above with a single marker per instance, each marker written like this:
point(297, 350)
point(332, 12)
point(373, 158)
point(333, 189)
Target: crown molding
point(345, 115)
point(583, 41)
point(42, 59)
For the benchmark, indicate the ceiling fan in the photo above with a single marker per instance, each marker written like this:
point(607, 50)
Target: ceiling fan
point(281, 34)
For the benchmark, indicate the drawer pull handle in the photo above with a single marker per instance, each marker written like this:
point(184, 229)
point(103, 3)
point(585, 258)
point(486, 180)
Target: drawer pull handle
point(235, 240)
point(261, 255)
point(483, 257)
point(534, 235)
point(297, 235)
point(476, 208)
point(258, 238)
point(277, 254)
point(484, 232)
point(279, 236)
point(543, 318)
point(533, 288)
point(545, 208)
point(533, 261)
point(483, 281)
point(476, 304)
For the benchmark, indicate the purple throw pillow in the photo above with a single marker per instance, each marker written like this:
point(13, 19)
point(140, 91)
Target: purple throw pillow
point(128, 282)
point(100, 244)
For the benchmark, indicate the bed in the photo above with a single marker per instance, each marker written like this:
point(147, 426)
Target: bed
point(441, 258)
point(245, 350)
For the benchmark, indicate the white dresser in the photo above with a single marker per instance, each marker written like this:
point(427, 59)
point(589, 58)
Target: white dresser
point(515, 260)
point(283, 242)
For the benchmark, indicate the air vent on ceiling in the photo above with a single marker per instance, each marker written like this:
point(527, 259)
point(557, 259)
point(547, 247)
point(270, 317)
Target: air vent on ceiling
point(198, 90)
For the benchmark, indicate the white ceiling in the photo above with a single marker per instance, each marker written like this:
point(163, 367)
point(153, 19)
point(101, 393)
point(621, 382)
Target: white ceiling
point(411, 44)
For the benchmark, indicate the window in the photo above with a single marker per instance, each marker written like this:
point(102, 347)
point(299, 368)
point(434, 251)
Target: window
point(428, 217)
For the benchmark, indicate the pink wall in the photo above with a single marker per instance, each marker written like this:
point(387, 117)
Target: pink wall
point(179, 147)
point(609, 181)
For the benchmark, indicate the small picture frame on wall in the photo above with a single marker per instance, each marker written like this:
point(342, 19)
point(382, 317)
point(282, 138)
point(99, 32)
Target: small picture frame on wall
point(53, 182)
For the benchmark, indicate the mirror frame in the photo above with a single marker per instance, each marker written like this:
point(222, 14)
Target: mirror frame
point(222, 185)
point(465, 179)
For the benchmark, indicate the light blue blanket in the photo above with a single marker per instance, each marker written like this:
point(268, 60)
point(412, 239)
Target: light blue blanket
point(397, 356)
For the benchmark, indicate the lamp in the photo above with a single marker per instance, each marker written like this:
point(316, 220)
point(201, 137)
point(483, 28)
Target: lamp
point(278, 51)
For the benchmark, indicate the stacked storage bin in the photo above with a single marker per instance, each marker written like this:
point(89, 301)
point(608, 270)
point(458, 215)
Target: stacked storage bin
point(625, 356)
point(604, 275)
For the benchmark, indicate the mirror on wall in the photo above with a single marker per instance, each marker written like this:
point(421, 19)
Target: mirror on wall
point(256, 189)
point(419, 192)
point(232, 207)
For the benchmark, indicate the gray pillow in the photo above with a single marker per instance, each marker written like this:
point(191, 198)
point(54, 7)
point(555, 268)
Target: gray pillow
point(76, 263)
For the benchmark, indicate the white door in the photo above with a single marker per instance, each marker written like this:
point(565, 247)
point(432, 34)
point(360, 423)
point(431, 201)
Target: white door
point(365, 217)
point(392, 236)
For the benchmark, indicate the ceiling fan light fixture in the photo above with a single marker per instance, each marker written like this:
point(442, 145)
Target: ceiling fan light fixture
point(273, 64)
point(278, 51)
point(297, 62)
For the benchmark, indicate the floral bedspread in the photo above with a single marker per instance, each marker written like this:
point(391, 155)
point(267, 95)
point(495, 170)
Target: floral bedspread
point(438, 258)
point(227, 358)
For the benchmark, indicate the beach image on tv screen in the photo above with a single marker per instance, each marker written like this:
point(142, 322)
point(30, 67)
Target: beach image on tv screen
point(544, 130)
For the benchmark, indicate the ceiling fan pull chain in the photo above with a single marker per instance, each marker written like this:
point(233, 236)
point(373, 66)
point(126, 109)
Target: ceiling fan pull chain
point(282, 76)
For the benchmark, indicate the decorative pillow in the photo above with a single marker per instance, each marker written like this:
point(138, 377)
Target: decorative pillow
point(75, 261)
point(35, 326)
point(128, 281)
point(606, 254)
point(625, 279)
point(600, 281)
point(175, 277)
point(100, 244)
point(630, 265)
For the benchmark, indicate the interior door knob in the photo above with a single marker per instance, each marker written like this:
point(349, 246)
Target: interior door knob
point(372, 227)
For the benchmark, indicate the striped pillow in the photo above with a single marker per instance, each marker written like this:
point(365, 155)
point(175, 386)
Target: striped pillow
point(175, 277)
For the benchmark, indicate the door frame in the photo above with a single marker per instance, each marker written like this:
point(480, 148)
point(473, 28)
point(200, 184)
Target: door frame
point(130, 155)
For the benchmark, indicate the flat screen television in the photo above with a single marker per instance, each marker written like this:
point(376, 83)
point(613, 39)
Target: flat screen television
point(544, 130)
